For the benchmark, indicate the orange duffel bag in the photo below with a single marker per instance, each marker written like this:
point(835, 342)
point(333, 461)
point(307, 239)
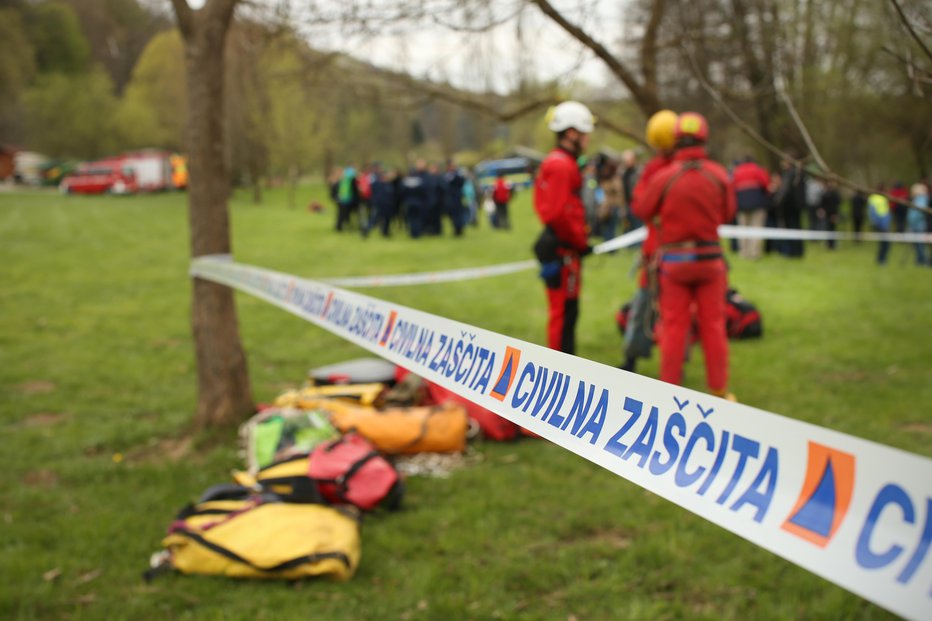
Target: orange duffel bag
point(435, 429)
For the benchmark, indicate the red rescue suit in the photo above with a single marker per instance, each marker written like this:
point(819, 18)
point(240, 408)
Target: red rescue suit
point(688, 201)
point(560, 208)
point(649, 247)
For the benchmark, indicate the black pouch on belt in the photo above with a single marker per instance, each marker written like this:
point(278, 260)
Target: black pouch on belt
point(545, 248)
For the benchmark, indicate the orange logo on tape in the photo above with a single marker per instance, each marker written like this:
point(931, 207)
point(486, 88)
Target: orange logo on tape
point(825, 496)
point(507, 374)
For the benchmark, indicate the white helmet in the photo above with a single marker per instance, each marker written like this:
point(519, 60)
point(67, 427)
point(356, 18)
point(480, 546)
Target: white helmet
point(571, 114)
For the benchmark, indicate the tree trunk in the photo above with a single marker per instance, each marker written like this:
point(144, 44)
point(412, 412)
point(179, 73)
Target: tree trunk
point(920, 150)
point(761, 85)
point(224, 395)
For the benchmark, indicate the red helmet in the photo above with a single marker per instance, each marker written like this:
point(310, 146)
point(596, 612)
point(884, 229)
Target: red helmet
point(692, 125)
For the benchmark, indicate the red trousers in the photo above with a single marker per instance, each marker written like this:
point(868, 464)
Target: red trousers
point(563, 303)
point(683, 287)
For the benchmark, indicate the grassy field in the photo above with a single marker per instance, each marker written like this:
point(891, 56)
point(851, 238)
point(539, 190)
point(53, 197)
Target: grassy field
point(97, 388)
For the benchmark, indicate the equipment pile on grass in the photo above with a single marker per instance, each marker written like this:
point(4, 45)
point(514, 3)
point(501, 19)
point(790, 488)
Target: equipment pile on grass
point(317, 460)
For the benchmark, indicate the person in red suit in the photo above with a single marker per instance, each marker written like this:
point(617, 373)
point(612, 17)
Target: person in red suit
point(639, 334)
point(565, 238)
point(687, 201)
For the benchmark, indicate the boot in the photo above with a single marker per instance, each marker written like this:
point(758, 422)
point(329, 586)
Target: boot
point(724, 394)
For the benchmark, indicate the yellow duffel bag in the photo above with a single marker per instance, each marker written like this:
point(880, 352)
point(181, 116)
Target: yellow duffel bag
point(270, 540)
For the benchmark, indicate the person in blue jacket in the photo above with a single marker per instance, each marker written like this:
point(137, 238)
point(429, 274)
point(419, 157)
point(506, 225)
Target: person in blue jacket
point(916, 219)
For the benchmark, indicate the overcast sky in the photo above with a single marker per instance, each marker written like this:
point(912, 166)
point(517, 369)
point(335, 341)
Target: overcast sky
point(533, 48)
point(496, 59)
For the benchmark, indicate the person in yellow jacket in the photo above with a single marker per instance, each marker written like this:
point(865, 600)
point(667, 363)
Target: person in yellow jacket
point(878, 211)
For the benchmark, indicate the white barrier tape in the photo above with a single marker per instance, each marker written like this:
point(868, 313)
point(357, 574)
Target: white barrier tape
point(855, 512)
point(622, 241)
point(472, 273)
point(747, 232)
point(421, 278)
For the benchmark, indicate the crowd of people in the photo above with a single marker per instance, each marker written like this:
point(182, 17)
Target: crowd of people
point(418, 202)
point(792, 198)
point(680, 195)
point(887, 216)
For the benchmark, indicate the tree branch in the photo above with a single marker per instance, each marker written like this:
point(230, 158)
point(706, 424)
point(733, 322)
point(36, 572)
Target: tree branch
point(741, 123)
point(622, 131)
point(910, 28)
point(647, 100)
point(747, 129)
point(781, 90)
point(926, 78)
point(490, 24)
point(649, 45)
point(463, 100)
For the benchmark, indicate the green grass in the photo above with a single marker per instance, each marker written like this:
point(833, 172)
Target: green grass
point(96, 365)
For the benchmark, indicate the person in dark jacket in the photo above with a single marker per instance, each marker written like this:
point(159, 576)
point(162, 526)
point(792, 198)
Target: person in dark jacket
point(858, 211)
point(629, 179)
point(433, 216)
point(791, 203)
point(382, 200)
point(416, 190)
point(453, 182)
point(398, 212)
point(828, 210)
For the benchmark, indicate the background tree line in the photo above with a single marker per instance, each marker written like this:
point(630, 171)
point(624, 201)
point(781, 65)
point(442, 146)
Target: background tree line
point(84, 78)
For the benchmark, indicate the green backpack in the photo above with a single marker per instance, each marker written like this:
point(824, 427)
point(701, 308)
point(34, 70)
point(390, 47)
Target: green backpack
point(277, 434)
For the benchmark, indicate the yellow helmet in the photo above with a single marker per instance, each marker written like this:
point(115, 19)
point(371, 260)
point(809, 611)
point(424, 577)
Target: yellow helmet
point(661, 129)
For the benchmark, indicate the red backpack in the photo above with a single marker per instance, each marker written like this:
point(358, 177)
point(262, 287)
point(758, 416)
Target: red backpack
point(742, 319)
point(350, 470)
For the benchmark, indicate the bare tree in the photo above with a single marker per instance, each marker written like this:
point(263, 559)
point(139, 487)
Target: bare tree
point(224, 395)
point(644, 89)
